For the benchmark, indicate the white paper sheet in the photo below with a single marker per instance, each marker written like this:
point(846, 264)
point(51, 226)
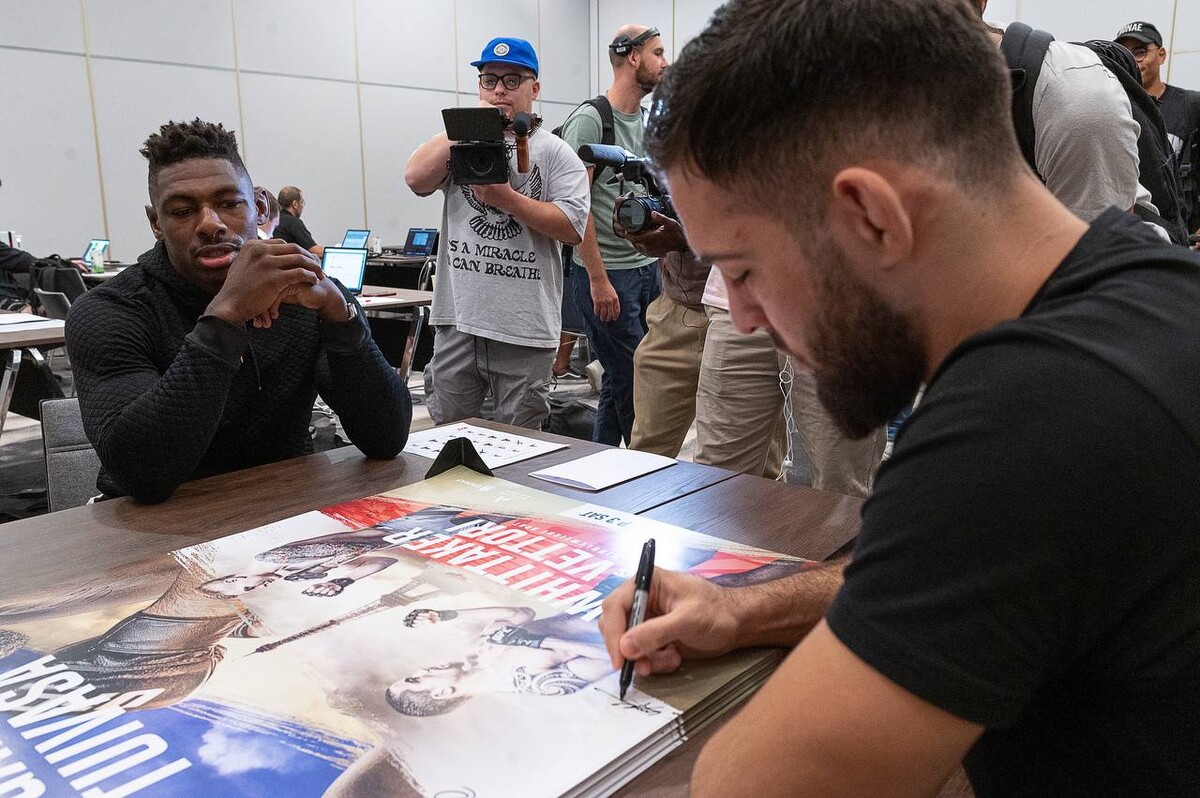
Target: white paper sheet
point(495, 447)
point(19, 318)
point(604, 469)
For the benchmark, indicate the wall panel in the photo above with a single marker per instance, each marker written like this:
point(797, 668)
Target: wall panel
point(1095, 19)
point(51, 189)
point(404, 43)
point(304, 132)
point(396, 122)
point(296, 37)
point(564, 52)
point(197, 33)
point(132, 101)
point(44, 24)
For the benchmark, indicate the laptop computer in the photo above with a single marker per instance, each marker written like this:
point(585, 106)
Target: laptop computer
point(356, 239)
point(421, 242)
point(347, 264)
point(95, 245)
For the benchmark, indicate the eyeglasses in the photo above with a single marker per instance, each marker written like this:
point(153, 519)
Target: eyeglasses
point(512, 81)
point(1140, 53)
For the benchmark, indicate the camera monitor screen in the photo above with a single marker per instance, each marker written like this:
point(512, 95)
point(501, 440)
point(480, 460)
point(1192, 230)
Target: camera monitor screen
point(473, 124)
point(421, 242)
point(95, 245)
point(356, 239)
point(346, 266)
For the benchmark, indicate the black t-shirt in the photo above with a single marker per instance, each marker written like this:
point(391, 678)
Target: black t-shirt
point(1181, 113)
point(294, 231)
point(1030, 559)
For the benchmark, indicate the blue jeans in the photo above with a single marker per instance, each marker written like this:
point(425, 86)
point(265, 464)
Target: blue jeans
point(614, 342)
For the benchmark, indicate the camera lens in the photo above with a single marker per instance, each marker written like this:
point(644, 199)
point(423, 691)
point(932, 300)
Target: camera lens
point(481, 162)
point(633, 213)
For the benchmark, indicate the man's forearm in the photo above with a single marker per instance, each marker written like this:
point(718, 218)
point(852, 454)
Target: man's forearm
point(781, 612)
point(544, 217)
point(589, 253)
point(372, 403)
point(427, 167)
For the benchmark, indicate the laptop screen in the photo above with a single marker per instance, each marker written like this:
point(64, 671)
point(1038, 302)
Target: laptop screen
point(421, 241)
point(356, 239)
point(347, 265)
point(95, 245)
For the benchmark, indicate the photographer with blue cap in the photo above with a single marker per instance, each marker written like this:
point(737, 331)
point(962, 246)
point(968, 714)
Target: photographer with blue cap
point(497, 302)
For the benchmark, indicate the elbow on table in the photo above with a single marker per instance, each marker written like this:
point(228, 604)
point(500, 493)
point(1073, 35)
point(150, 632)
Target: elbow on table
point(142, 478)
point(149, 491)
point(388, 442)
point(384, 450)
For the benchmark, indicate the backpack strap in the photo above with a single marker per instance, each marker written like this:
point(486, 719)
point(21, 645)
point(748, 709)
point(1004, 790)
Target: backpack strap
point(1024, 49)
point(608, 131)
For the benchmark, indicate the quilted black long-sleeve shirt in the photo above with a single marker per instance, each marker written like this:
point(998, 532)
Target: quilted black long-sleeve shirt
point(169, 395)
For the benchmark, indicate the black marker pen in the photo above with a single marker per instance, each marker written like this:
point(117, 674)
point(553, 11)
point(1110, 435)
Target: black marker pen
point(641, 596)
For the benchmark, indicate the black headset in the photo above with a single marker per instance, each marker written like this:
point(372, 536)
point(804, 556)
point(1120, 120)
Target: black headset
point(623, 45)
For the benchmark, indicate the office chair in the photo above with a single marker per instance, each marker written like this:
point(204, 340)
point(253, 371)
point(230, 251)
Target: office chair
point(72, 465)
point(56, 306)
point(69, 282)
point(55, 303)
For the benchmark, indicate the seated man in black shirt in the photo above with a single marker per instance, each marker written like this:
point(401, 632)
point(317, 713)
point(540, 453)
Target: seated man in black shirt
point(1023, 593)
point(13, 261)
point(290, 228)
point(206, 356)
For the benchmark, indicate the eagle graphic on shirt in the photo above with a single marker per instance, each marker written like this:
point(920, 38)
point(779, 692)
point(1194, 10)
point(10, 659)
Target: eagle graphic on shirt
point(494, 224)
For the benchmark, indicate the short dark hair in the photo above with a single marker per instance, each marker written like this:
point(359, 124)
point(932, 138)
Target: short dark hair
point(180, 141)
point(289, 195)
point(820, 84)
point(421, 703)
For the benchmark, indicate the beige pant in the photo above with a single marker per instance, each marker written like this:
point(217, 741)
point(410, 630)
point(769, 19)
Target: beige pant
point(740, 424)
point(666, 367)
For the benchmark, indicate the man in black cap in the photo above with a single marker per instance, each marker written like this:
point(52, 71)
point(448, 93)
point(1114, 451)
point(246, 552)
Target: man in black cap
point(1180, 107)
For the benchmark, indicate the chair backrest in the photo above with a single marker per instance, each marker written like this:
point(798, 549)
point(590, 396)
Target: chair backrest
point(70, 282)
point(72, 465)
point(55, 303)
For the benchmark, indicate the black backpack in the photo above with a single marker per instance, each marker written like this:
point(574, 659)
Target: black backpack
point(54, 273)
point(1158, 171)
point(1189, 165)
point(608, 135)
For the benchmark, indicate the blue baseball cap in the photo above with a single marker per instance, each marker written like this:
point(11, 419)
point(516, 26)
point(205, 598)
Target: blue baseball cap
point(508, 50)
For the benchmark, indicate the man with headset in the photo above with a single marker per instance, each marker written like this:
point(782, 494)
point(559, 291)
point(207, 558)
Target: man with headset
point(616, 283)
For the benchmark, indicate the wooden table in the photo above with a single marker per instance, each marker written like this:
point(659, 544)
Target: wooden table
point(107, 543)
point(401, 270)
point(110, 271)
point(16, 339)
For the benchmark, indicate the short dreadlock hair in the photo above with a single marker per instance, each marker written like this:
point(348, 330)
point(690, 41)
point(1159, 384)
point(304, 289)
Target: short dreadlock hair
point(179, 141)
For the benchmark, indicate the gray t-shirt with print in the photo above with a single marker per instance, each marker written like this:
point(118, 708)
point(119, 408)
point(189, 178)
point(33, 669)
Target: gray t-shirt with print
point(585, 127)
point(496, 278)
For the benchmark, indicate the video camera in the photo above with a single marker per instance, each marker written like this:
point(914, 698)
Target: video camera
point(632, 211)
point(481, 154)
